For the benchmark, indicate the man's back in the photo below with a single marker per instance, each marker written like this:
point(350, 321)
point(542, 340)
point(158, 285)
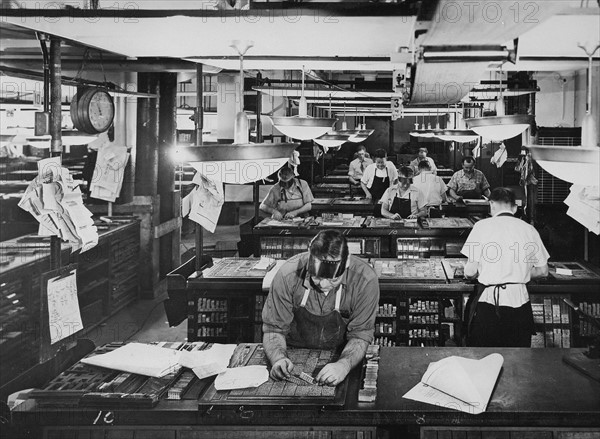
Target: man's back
point(432, 187)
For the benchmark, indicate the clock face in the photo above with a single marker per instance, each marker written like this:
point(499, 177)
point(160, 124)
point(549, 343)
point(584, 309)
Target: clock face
point(101, 111)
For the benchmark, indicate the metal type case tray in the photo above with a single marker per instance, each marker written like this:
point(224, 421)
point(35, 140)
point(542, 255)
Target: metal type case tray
point(285, 394)
point(99, 387)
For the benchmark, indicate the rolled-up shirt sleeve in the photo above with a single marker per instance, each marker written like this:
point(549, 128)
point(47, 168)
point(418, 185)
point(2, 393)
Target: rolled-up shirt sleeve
point(271, 198)
point(307, 195)
point(277, 314)
point(362, 321)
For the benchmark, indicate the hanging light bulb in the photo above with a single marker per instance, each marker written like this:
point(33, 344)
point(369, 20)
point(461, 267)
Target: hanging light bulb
point(500, 127)
point(428, 121)
point(241, 128)
point(344, 123)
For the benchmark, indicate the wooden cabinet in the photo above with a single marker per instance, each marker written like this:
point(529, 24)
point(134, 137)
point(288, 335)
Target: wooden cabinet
point(107, 280)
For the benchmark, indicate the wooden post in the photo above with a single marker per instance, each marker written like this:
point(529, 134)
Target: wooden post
point(146, 177)
point(166, 168)
point(55, 129)
point(199, 123)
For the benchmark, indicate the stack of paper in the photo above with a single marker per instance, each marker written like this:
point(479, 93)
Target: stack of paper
point(584, 206)
point(108, 174)
point(204, 203)
point(459, 383)
point(143, 359)
point(156, 361)
point(55, 201)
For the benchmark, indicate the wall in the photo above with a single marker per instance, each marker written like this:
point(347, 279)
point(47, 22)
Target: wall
point(561, 101)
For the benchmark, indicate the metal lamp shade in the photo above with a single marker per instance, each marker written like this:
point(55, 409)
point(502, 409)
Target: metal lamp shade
point(303, 128)
point(236, 164)
point(575, 164)
point(499, 128)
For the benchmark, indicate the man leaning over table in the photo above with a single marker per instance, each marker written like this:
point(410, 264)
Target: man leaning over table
point(321, 299)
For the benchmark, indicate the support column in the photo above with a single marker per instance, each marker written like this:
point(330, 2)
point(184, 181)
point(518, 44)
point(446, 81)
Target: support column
point(146, 178)
point(166, 167)
point(55, 129)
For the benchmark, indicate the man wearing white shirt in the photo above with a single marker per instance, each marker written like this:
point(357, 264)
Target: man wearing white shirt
point(504, 254)
point(357, 166)
point(377, 178)
point(431, 186)
point(422, 157)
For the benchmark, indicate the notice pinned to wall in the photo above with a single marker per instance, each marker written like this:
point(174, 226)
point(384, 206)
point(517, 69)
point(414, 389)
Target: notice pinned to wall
point(64, 316)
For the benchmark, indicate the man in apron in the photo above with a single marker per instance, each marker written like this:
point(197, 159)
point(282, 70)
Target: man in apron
point(469, 183)
point(289, 198)
point(504, 254)
point(403, 200)
point(321, 299)
point(377, 177)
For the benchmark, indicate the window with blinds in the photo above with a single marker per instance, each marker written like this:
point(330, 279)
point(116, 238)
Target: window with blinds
point(552, 190)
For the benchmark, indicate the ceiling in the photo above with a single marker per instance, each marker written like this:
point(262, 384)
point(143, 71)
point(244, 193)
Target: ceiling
point(455, 48)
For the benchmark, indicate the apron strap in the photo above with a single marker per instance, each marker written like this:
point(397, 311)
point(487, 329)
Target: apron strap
point(338, 298)
point(305, 297)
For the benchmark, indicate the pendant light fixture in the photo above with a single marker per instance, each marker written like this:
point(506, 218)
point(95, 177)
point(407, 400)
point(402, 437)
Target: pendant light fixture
point(241, 162)
point(332, 139)
point(241, 128)
point(302, 126)
point(500, 127)
point(575, 164)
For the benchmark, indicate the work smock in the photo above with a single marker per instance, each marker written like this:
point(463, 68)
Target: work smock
point(287, 200)
point(293, 304)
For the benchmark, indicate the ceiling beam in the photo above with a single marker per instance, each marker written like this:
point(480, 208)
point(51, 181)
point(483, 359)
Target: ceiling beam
point(111, 65)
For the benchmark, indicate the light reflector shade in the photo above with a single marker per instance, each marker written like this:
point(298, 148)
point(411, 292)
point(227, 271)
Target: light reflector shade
point(575, 164)
point(331, 140)
point(498, 128)
point(303, 128)
point(236, 164)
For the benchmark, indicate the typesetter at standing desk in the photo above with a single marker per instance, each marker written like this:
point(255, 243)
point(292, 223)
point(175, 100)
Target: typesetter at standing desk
point(536, 392)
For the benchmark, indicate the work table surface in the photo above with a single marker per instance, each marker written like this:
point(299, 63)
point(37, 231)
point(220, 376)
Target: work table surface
point(535, 388)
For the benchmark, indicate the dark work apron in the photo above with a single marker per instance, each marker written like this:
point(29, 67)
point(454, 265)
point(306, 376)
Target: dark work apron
point(318, 332)
point(378, 187)
point(401, 206)
point(471, 306)
point(473, 194)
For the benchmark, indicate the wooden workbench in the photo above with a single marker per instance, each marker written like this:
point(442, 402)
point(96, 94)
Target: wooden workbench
point(536, 394)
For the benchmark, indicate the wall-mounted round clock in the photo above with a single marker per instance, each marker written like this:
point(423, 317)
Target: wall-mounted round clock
point(92, 110)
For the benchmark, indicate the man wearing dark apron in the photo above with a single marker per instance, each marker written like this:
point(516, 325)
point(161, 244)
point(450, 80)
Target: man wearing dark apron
point(377, 178)
point(321, 299)
point(403, 200)
point(504, 254)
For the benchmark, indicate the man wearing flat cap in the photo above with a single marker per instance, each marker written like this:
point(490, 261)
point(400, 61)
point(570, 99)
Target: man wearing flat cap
point(321, 299)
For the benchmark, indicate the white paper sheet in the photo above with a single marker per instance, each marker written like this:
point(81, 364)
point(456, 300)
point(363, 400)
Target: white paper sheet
point(208, 362)
point(64, 317)
point(206, 203)
point(459, 383)
point(143, 359)
point(242, 377)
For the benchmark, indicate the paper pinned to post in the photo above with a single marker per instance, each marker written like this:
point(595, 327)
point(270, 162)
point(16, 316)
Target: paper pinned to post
point(64, 316)
point(459, 383)
point(242, 377)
